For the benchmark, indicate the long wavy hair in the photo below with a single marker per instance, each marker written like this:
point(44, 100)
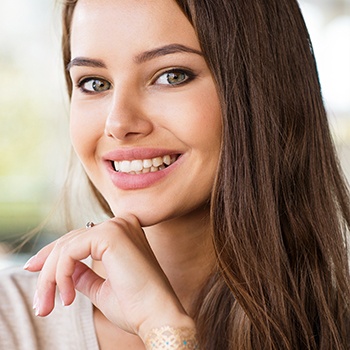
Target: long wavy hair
point(280, 206)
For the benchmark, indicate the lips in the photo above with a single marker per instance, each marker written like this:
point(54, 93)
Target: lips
point(139, 168)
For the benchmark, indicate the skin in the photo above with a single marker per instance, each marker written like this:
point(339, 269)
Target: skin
point(156, 253)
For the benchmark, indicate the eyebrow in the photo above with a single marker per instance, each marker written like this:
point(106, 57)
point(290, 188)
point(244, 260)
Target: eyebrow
point(85, 62)
point(165, 50)
point(141, 58)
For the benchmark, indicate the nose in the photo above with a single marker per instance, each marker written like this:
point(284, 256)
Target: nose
point(127, 118)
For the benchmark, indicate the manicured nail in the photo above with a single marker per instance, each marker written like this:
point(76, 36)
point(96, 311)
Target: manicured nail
point(35, 300)
point(37, 312)
point(62, 301)
point(27, 264)
point(36, 304)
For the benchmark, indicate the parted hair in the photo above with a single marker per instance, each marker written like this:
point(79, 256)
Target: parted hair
point(280, 206)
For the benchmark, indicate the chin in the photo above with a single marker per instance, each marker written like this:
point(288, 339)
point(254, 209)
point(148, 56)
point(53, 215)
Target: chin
point(146, 216)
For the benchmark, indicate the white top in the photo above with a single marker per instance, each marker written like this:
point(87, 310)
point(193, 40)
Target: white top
point(66, 328)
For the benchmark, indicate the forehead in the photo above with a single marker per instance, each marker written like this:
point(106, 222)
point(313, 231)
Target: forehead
point(127, 25)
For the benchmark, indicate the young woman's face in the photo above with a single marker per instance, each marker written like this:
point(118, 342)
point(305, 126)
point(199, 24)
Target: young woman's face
point(145, 114)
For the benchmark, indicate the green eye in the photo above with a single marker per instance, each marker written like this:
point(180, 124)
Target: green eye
point(174, 77)
point(94, 85)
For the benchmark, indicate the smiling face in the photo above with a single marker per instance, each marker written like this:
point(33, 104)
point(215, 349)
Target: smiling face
point(145, 115)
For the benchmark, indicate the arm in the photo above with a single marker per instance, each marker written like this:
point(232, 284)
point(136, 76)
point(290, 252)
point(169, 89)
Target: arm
point(136, 295)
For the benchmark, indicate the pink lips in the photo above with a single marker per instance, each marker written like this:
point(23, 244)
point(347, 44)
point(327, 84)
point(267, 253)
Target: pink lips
point(125, 181)
point(137, 153)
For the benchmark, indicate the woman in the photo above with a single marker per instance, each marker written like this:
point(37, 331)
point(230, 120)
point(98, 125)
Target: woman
point(201, 127)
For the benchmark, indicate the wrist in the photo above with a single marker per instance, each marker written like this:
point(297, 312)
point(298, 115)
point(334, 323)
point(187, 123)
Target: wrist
point(176, 321)
point(172, 324)
point(168, 337)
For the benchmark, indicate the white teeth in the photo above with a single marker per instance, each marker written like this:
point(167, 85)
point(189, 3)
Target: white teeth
point(147, 163)
point(136, 165)
point(167, 160)
point(124, 166)
point(144, 166)
point(157, 161)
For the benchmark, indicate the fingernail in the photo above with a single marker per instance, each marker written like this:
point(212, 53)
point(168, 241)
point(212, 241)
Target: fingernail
point(36, 304)
point(35, 300)
point(62, 301)
point(27, 264)
point(37, 312)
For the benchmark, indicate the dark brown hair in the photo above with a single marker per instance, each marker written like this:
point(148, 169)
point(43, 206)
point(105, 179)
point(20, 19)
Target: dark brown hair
point(280, 207)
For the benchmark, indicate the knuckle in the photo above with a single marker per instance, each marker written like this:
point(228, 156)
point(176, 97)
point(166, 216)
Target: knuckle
point(129, 223)
point(46, 283)
point(118, 223)
point(59, 244)
point(134, 220)
point(64, 243)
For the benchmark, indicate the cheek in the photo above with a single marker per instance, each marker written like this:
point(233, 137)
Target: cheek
point(85, 130)
point(197, 120)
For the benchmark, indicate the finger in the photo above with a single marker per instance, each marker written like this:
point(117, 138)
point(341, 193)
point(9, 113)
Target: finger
point(46, 286)
point(49, 258)
point(69, 267)
point(88, 282)
point(64, 280)
point(61, 264)
point(36, 262)
point(44, 299)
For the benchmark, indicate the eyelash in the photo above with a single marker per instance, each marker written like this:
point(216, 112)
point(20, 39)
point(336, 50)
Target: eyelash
point(190, 75)
point(82, 82)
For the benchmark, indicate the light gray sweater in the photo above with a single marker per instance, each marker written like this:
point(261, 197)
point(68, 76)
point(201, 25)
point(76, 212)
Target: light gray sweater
point(66, 328)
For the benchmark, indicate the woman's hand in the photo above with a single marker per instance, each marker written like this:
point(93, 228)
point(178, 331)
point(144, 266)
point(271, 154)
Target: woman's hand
point(136, 295)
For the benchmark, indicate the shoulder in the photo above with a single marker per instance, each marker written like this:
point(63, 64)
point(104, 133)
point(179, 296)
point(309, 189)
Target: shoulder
point(64, 328)
point(17, 288)
point(16, 277)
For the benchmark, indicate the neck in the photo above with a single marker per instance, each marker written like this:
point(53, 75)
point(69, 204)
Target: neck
point(185, 252)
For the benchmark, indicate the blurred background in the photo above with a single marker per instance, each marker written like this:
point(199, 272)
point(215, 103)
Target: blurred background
point(33, 120)
point(34, 142)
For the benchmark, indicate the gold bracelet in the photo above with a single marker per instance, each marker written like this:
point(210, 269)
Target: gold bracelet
point(169, 338)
